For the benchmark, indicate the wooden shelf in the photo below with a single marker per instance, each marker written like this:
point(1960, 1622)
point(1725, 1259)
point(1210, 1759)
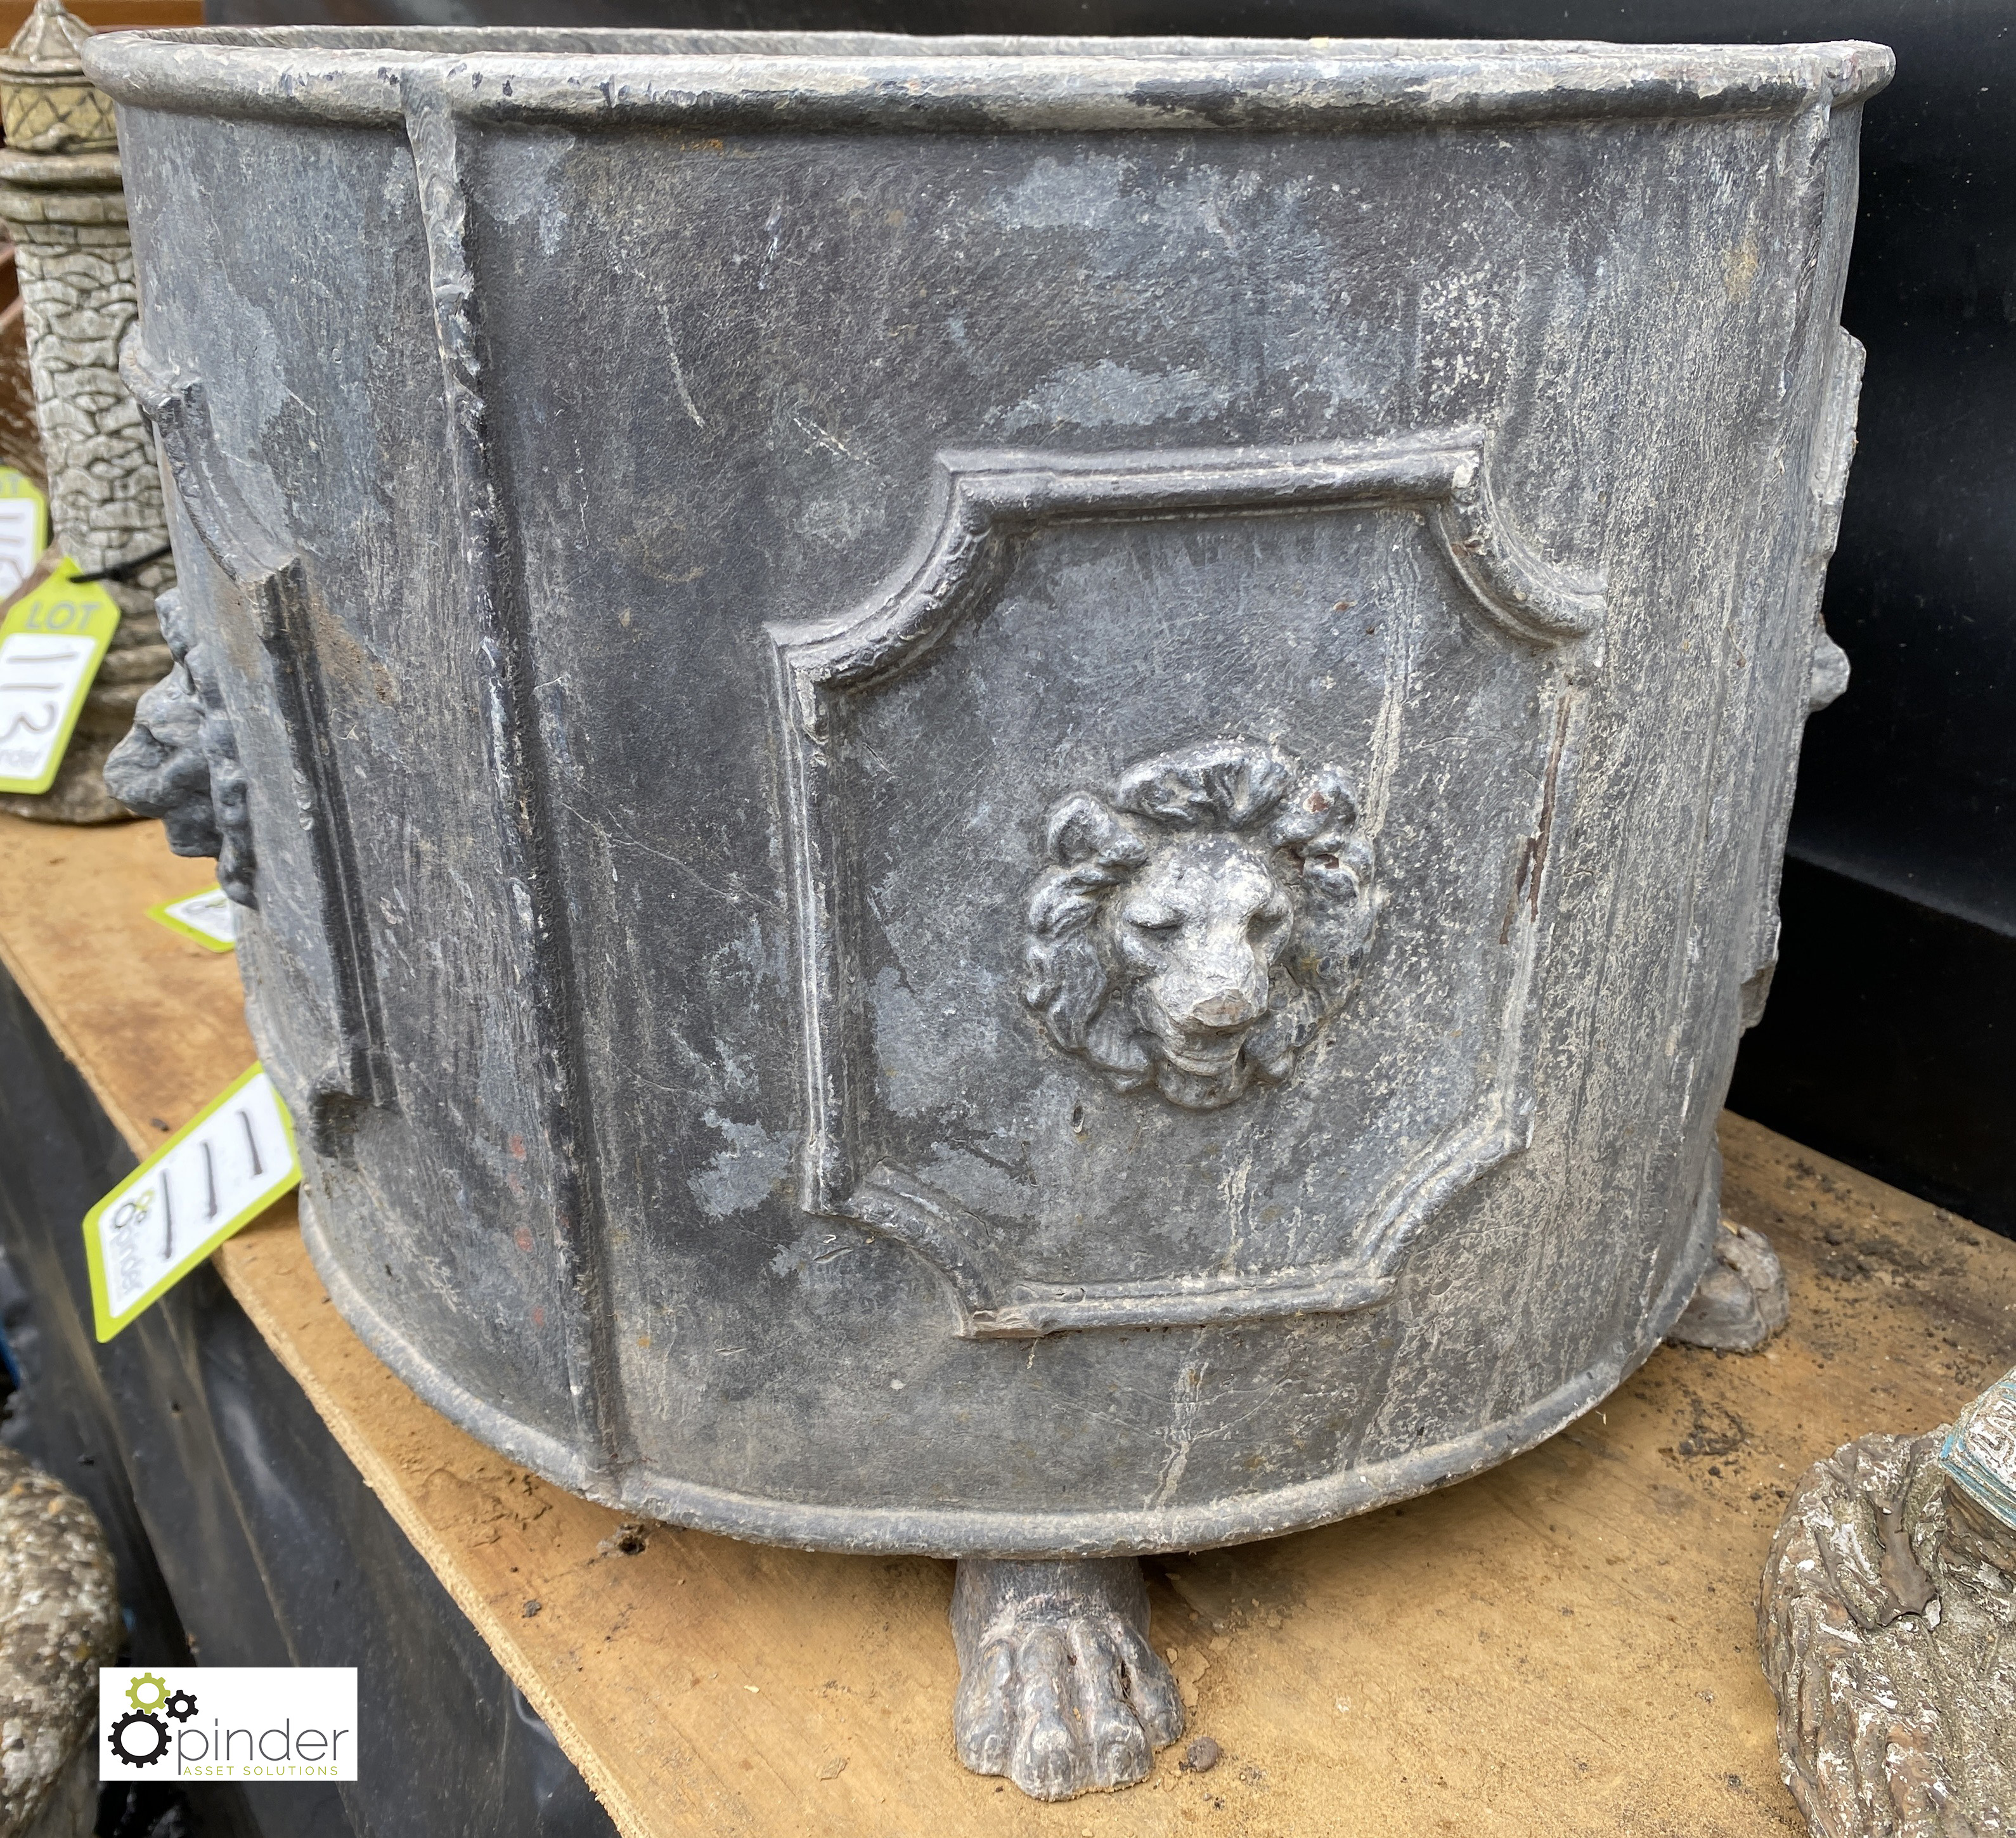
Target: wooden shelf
point(109, 16)
point(1564, 1645)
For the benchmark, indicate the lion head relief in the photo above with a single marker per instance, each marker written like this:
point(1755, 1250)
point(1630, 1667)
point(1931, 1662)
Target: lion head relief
point(1201, 922)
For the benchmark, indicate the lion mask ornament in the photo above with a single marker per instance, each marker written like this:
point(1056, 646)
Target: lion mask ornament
point(1201, 922)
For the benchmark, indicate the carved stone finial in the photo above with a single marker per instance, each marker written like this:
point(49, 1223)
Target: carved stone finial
point(47, 105)
point(50, 42)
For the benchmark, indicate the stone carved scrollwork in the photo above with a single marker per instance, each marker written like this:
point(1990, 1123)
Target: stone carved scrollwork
point(1201, 922)
point(180, 763)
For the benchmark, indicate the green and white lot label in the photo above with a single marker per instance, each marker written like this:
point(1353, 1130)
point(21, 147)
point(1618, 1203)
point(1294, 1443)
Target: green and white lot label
point(208, 917)
point(206, 1181)
point(229, 1722)
point(24, 527)
point(51, 645)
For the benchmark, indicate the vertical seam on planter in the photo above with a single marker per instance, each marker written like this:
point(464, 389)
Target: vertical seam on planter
point(538, 905)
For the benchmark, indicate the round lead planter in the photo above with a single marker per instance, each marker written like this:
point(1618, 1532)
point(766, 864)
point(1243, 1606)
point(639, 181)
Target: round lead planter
point(1006, 797)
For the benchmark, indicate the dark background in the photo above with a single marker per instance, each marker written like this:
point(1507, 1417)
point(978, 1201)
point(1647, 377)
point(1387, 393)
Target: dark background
point(1891, 1038)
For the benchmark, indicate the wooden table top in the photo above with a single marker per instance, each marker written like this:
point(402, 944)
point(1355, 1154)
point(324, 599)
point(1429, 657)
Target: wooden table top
point(1564, 1645)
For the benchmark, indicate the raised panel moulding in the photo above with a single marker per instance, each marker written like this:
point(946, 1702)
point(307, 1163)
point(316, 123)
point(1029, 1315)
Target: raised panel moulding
point(986, 506)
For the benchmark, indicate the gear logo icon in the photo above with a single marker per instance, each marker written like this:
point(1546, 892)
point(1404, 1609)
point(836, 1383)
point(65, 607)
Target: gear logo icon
point(148, 1692)
point(139, 1739)
point(181, 1705)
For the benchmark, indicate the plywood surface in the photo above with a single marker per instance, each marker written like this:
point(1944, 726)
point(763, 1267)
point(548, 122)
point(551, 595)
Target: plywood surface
point(109, 15)
point(1563, 1646)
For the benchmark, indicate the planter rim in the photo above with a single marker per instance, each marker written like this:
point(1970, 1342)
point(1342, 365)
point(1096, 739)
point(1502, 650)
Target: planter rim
point(785, 81)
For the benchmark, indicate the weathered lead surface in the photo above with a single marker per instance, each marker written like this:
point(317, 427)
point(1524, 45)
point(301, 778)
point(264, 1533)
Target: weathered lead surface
point(1009, 797)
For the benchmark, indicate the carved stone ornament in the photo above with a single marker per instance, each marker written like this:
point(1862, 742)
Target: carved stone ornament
point(62, 201)
point(47, 103)
point(1201, 921)
point(1887, 1616)
point(1979, 1453)
point(59, 1622)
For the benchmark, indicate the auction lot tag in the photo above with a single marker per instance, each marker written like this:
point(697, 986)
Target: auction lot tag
point(50, 644)
point(24, 516)
point(208, 1179)
point(230, 1723)
point(208, 917)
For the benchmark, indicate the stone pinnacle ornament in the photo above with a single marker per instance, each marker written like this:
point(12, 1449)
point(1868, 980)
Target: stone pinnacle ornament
point(1888, 1619)
point(61, 198)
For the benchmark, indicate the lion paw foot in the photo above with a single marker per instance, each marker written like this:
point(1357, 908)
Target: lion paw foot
point(1741, 1302)
point(1059, 1688)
